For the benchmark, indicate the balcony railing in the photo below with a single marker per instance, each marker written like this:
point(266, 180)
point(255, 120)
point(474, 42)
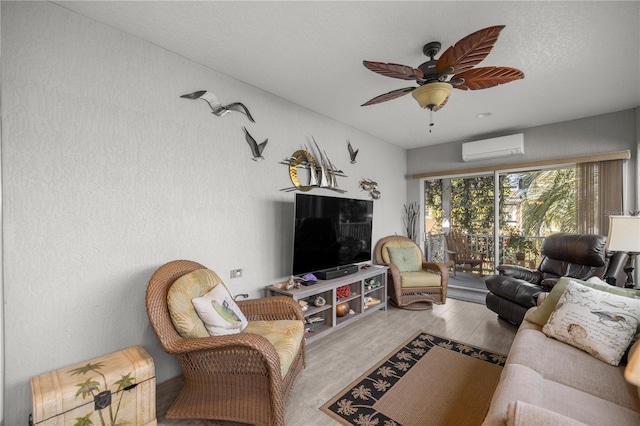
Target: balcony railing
point(435, 250)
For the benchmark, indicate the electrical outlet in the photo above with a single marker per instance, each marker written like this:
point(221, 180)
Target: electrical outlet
point(236, 273)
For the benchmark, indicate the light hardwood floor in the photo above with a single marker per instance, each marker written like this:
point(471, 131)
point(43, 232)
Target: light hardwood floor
point(336, 360)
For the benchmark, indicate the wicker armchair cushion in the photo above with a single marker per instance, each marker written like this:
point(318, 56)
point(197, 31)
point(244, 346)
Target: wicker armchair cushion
point(410, 278)
point(219, 312)
point(179, 301)
point(405, 258)
point(285, 335)
point(420, 279)
point(401, 244)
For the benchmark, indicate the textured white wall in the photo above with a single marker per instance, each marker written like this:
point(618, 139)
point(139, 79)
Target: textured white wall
point(107, 174)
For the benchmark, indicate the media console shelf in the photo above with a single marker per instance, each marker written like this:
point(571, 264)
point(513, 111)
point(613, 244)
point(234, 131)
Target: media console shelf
point(367, 294)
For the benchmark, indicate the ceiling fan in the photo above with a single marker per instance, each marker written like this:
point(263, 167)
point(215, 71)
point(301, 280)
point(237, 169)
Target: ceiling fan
point(458, 61)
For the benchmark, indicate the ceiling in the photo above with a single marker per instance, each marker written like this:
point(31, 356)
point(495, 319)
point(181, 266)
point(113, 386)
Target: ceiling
point(579, 58)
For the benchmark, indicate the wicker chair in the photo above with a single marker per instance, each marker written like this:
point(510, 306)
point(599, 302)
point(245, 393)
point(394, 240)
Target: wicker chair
point(231, 378)
point(413, 290)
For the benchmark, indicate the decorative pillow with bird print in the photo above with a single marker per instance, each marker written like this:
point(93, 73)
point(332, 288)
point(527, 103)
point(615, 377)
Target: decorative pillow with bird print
point(599, 323)
point(541, 314)
point(219, 313)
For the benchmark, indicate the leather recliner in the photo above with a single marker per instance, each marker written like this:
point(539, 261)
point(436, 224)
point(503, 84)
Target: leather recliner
point(582, 256)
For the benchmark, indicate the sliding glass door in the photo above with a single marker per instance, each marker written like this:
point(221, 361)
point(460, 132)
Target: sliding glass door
point(523, 206)
point(463, 206)
point(536, 203)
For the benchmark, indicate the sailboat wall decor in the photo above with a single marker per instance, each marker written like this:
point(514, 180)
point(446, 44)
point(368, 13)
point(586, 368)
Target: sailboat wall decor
point(322, 172)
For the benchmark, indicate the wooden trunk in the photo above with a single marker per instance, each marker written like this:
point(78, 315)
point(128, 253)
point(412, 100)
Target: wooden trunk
point(115, 389)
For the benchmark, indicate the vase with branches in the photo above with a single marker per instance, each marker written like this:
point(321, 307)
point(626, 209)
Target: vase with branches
point(410, 220)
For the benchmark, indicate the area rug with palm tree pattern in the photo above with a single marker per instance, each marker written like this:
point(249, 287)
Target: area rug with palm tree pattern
point(427, 380)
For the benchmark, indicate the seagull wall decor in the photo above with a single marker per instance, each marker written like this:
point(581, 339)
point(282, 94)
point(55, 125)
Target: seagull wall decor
point(352, 153)
point(371, 187)
point(216, 106)
point(256, 149)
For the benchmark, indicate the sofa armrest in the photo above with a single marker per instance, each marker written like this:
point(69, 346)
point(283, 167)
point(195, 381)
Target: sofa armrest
point(522, 414)
point(520, 272)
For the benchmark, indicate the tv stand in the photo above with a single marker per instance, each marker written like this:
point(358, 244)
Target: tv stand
point(337, 272)
point(367, 289)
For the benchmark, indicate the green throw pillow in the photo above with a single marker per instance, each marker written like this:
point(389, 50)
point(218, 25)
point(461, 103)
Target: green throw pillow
point(541, 315)
point(405, 258)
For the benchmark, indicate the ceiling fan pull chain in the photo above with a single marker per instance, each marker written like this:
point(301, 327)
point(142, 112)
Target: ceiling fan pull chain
point(430, 119)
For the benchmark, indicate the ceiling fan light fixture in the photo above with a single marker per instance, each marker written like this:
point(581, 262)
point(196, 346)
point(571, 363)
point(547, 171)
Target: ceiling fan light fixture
point(432, 94)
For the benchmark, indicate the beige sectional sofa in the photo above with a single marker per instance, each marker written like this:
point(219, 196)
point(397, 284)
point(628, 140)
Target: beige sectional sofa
point(549, 382)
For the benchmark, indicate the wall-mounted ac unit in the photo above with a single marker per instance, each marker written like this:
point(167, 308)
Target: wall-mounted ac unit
point(504, 146)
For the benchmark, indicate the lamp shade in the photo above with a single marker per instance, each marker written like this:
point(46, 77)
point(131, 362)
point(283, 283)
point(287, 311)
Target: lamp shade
point(624, 234)
point(432, 94)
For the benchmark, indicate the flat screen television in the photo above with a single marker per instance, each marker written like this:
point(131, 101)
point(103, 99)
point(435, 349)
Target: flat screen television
point(330, 232)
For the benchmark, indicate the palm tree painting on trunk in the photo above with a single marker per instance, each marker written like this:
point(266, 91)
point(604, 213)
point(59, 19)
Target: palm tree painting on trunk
point(91, 388)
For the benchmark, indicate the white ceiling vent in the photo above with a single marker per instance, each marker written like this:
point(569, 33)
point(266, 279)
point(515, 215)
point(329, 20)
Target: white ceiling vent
point(504, 146)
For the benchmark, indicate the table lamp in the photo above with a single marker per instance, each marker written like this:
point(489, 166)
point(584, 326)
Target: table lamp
point(632, 371)
point(624, 235)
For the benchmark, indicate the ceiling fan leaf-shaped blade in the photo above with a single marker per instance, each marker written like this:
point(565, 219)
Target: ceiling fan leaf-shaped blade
point(469, 51)
point(403, 72)
point(389, 96)
point(485, 77)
